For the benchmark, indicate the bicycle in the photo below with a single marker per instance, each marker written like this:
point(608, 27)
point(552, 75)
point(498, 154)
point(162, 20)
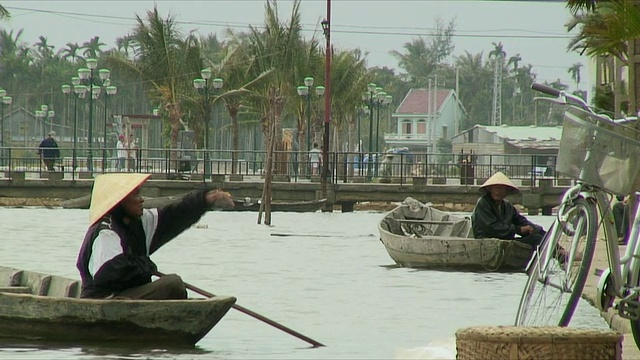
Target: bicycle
point(601, 154)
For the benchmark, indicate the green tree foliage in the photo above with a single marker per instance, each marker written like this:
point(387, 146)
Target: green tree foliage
point(154, 66)
point(166, 61)
point(422, 56)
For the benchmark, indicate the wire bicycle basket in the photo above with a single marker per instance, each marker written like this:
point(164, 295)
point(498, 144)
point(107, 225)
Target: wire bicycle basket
point(599, 152)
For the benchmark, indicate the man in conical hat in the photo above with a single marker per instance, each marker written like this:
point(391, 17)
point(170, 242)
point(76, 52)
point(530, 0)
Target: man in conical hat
point(495, 217)
point(114, 260)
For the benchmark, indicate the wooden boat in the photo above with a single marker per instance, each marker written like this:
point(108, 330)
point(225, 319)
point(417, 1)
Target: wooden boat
point(253, 204)
point(81, 202)
point(417, 235)
point(47, 308)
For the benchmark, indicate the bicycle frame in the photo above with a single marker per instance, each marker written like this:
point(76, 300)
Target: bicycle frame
point(623, 273)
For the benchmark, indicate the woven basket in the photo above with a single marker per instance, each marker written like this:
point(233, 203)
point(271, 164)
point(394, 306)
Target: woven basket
point(552, 343)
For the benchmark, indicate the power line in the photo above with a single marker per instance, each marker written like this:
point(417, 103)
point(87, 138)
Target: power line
point(336, 28)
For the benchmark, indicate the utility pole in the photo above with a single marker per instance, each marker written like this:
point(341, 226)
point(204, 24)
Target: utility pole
point(496, 111)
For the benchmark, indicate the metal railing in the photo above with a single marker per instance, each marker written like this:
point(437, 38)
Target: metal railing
point(344, 167)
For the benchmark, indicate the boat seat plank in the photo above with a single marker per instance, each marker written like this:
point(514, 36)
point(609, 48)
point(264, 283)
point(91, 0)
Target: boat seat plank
point(425, 221)
point(16, 278)
point(15, 289)
point(72, 289)
point(444, 227)
point(45, 284)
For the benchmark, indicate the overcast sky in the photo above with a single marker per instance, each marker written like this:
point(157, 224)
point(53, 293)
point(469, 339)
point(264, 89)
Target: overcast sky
point(533, 29)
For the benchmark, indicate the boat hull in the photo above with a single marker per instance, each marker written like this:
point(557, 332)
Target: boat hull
point(432, 239)
point(57, 318)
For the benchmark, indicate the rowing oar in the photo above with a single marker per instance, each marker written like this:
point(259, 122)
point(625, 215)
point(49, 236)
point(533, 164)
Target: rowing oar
point(253, 314)
point(317, 235)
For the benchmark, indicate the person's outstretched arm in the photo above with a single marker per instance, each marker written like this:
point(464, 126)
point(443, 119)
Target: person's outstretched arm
point(173, 219)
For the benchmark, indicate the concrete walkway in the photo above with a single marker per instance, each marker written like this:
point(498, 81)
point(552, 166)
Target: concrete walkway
point(629, 349)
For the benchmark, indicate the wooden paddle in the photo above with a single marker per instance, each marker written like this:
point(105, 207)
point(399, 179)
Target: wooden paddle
point(253, 314)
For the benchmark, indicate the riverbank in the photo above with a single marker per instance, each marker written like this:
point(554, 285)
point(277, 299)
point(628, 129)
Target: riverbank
point(600, 262)
point(363, 206)
point(29, 202)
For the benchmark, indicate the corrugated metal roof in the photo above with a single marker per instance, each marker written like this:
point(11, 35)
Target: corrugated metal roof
point(527, 137)
point(527, 133)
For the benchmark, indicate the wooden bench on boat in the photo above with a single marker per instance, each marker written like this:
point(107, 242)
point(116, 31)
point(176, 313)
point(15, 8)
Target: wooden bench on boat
point(20, 282)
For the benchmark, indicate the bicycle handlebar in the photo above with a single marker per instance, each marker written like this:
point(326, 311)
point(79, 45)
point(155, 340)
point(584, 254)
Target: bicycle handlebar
point(563, 96)
point(546, 89)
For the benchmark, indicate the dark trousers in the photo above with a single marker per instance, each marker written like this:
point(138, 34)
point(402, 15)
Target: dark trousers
point(49, 163)
point(532, 239)
point(621, 217)
point(168, 287)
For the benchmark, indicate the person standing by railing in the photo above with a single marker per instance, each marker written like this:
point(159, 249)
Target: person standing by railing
point(48, 151)
point(315, 159)
point(122, 152)
point(132, 149)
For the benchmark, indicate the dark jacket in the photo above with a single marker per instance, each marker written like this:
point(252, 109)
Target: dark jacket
point(122, 250)
point(48, 149)
point(502, 221)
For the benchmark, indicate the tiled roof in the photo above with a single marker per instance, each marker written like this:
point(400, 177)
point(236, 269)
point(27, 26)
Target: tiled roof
point(417, 101)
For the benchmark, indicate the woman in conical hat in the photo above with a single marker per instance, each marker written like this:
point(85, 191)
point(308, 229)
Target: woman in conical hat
point(495, 217)
point(114, 260)
point(499, 179)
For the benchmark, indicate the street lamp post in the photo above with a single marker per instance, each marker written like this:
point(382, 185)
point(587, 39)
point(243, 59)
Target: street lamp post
point(361, 111)
point(202, 86)
point(305, 92)
point(109, 92)
point(50, 115)
point(6, 101)
point(369, 99)
point(86, 76)
point(42, 114)
point(382, 101)
point(79, 92)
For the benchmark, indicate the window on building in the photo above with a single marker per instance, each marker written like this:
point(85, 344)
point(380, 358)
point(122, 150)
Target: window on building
point(422, 127)
point(406, 127)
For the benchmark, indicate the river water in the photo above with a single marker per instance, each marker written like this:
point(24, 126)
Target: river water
point(328, 278)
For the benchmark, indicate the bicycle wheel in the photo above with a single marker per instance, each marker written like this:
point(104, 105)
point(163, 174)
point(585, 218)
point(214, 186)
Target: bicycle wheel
point(554, 286)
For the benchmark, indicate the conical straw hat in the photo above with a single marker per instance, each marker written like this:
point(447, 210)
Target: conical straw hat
point(499, 179)
point(109, 190)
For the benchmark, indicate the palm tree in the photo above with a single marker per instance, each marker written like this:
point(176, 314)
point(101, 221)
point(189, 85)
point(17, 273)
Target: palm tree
point(235, 68)
point(15, 58)
point(475, 79)
point(92, 47)
point(276, 47)
point(166, 61)
point(71, 52)
point(123, 44)
point(45, 51)
point(515, 60)
point(420, 59)
point(349, 78)
point(4, 13)
point(598, 34)
point(574, 71)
